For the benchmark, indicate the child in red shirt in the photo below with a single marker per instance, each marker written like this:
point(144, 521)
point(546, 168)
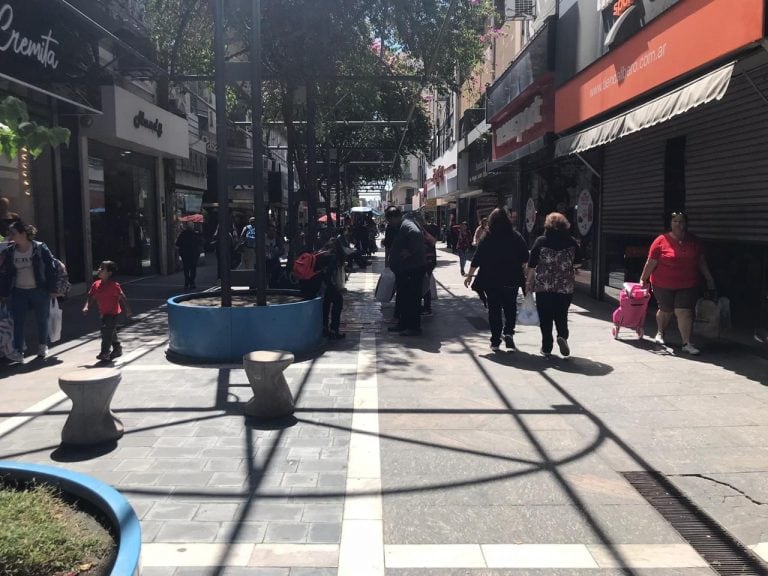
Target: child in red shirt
point(108, 296)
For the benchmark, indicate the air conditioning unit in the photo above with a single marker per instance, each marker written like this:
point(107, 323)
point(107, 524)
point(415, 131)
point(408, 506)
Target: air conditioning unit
point(519, 9)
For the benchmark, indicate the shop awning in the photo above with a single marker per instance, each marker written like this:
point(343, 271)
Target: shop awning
point(709, 87)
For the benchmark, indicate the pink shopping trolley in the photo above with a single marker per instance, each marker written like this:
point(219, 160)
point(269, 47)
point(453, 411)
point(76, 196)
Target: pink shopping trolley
point(633, 306)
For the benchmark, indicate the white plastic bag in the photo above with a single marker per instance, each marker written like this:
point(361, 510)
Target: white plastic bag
point(429, 286)
point(54, 322)
point(385, 288)
point(6, 331)
point(527, 315)
point(707, 320)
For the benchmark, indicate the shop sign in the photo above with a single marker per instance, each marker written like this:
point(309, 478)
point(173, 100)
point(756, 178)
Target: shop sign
point(530, 215)
point(431, 203)
point(141, 121)
point(42, 46)
point(585, 212)
point(588, 29)
point(689, 35)
point(131, 122)
point(527, 120)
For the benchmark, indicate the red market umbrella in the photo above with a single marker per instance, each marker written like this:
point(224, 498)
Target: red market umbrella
point(197, 218)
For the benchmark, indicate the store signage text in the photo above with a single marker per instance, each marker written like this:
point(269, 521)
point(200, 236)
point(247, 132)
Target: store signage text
point(619, 6)
point(140, 120)
point(515, 127)
point(42, 50)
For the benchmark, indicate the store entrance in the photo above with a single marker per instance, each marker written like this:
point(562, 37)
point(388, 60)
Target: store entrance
point(123, 215)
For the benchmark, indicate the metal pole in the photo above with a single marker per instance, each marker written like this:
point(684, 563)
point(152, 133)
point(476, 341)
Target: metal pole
point(311, 163)
point(293, 213)
point(258, 155)
point(221, 157)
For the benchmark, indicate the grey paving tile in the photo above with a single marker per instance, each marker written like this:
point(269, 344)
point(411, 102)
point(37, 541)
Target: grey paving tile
point(186, 478)
point(286, 532)
point(188, 532)
point(338, 481)
point(313, 572)
point(321, 533)
point(222, 465)
point(323, 513)
point(260, 511)
point(242, 532)
point(220, 512)
point(172, 511)
point(294, 480)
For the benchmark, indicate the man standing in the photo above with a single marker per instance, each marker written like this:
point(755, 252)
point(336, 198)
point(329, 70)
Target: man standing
point(189, 244)
point(248, 243)
point(407, 259)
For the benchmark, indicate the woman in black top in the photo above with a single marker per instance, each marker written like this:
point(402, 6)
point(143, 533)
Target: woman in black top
point(551, 272)
point(500, 256)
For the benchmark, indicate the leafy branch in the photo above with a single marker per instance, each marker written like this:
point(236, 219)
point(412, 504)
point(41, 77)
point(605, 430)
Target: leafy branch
point(17, 131)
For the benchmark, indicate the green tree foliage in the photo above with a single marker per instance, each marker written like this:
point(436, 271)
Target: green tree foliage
point(17, 131)
point(182, 35)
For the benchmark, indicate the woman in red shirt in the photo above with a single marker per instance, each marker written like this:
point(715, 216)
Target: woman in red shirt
point(674, 266)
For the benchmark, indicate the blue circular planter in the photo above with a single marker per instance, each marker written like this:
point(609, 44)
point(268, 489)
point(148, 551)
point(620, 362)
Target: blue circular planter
point(216, 334)
point(114, 506)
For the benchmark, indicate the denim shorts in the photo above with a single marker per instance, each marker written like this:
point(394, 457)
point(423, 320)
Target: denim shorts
point(670, 299)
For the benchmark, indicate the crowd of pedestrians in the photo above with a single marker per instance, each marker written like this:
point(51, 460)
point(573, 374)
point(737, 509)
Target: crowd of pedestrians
point(502, 266)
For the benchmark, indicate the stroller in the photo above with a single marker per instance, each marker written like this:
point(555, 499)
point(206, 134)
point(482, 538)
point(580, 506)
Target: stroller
point(633, 306)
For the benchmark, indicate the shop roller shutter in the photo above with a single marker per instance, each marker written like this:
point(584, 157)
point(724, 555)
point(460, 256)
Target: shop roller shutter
point(727, 164)
point(633, 185)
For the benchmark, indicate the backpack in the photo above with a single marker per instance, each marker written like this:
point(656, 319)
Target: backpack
point(304, 266)
point(62, 278)
point(250, 236)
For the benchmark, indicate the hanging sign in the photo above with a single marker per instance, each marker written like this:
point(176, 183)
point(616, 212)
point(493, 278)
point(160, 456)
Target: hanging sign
point(585, 213)
point(530, 215)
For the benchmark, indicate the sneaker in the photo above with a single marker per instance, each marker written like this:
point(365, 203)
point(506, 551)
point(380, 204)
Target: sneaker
point(116, 353)
point(15, 357)
point(104, 357)
point(545, 354)
point(495, 347)
point(509, 342)
point(562, 343)
point(660, 339)
point(42, 351)
point(691, 349)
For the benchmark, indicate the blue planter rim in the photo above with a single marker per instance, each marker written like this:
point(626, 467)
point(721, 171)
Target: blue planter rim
point(176, 300)
point(103, 496)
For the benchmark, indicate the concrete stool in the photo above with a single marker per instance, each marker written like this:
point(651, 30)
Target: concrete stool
point(91, 420)
point(271, 396)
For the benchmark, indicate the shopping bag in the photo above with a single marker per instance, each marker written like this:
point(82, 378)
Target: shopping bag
point(429, 286)
point(6, 331)
point(385, 287)
point(54, 322)
point(527, 315)
point(707, 319)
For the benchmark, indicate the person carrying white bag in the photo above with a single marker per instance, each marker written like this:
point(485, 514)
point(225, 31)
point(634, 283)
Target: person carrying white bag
point(551, 275)
point(28, 278)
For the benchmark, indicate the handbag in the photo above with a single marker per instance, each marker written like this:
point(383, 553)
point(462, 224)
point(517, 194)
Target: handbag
point(707, 320)
point(385, 287)
point(527, 315)
point(54, 322)
point(6, 331)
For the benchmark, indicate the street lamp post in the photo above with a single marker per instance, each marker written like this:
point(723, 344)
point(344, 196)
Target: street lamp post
point(258, 154)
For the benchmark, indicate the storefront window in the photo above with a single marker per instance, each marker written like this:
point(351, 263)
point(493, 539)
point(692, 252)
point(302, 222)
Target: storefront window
point(123, 209)
point(570, 188)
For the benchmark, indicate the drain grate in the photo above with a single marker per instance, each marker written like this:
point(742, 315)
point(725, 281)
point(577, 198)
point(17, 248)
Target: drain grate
point(726, 555)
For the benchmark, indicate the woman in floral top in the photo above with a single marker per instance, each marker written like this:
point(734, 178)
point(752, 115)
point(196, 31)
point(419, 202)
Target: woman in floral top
point(551, 271)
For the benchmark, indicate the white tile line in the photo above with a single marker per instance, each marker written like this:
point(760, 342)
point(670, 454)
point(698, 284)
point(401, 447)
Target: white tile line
point(445, 556)
point(14, 422)
point(761, 549)
point(362, 530)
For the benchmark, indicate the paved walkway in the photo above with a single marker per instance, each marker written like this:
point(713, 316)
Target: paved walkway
point(420, 456)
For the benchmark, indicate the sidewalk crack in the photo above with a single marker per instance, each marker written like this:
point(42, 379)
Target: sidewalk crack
point(726, 484)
